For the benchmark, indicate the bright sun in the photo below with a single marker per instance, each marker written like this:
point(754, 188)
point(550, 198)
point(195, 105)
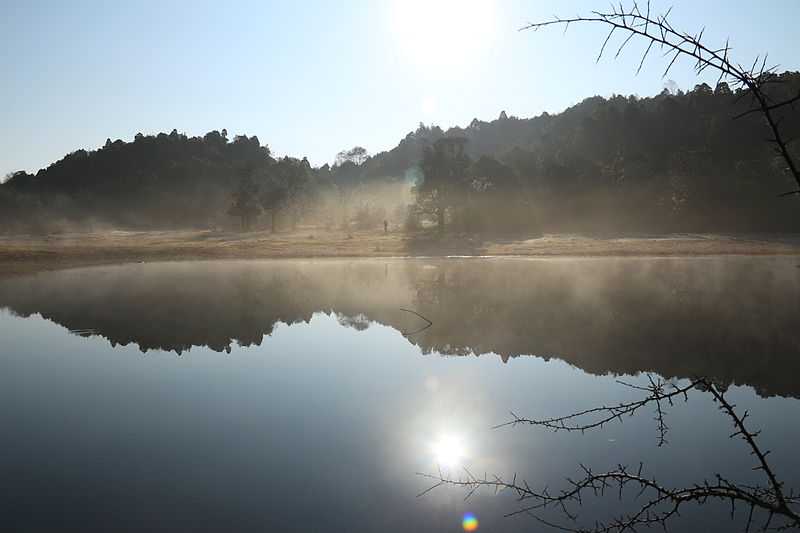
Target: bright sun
point(448, 451)
point(442, 33)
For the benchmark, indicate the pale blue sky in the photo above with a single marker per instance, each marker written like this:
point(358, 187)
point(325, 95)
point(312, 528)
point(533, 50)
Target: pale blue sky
point(311, 78)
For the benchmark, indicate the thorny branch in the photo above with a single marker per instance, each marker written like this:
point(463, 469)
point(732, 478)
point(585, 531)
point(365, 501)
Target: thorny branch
point(657, 30)
point(663, 503)
point(597, 417)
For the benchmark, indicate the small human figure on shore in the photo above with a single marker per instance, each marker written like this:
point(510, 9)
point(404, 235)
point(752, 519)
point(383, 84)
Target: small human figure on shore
point(385, 226)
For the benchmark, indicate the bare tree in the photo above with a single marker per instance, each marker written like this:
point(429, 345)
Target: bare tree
point(356, 155)
point(662, 503)
point(656, 30)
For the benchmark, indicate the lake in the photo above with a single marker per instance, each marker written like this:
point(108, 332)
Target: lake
point(307, 395)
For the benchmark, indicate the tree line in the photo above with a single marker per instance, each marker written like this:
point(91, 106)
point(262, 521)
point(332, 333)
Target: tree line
point(673, 162)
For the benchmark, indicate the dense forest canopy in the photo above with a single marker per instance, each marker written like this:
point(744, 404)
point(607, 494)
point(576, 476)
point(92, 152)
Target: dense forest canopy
point(673, 162)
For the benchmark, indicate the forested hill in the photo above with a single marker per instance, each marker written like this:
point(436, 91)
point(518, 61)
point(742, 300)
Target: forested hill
point(155, 181)
point(673, 162)
point(668, 133)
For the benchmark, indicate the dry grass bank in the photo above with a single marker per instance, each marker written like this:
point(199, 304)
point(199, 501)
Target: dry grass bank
point(30, 253)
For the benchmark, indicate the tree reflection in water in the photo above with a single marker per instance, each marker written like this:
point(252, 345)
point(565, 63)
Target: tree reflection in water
point(736, 320)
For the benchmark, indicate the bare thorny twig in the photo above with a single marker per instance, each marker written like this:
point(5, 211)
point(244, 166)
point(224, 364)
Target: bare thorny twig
point(657, 30)
point(606, 414)
point(663, 503)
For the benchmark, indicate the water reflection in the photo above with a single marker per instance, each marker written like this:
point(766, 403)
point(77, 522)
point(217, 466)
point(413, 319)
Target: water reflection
point(321, 425)
point(734, 319)
point(449, 451)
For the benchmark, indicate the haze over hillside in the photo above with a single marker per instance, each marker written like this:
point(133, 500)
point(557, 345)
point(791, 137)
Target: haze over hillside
point(672, 162)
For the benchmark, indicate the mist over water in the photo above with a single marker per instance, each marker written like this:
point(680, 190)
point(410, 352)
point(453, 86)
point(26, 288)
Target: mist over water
point(736, 319)
point(297, 404)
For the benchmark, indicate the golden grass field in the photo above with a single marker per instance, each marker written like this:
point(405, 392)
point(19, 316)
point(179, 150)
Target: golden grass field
point(19, 254)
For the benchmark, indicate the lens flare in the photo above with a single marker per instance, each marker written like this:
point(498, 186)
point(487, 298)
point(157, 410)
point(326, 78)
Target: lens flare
point(470, 522)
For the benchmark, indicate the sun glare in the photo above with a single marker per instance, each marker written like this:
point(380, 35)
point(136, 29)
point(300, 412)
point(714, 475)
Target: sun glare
point(443, 33)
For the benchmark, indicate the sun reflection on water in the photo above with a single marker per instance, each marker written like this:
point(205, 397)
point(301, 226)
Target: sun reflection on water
point(448, 451)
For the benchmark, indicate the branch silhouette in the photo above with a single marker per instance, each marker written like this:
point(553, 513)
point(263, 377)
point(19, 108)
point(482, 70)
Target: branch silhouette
point(662, 503)
point(597, 417)
point(657, 30)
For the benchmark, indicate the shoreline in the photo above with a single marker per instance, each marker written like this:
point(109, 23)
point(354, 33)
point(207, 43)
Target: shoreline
point(28, 254)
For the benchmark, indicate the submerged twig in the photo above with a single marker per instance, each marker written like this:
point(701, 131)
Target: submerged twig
point(420, 330)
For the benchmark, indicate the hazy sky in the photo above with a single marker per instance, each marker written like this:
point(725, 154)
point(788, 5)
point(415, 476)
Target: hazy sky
point(311, 78)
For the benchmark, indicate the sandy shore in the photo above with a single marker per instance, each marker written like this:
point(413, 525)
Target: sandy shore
point(19, 254)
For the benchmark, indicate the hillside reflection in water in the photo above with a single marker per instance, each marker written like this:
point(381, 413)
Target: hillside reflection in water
point(324, 411)
point(736, 319)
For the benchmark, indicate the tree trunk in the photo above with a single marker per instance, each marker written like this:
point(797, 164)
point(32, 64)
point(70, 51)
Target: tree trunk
point(440, 218)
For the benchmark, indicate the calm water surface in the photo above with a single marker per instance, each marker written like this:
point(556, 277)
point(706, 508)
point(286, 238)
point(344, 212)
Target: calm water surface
point(296, 395)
